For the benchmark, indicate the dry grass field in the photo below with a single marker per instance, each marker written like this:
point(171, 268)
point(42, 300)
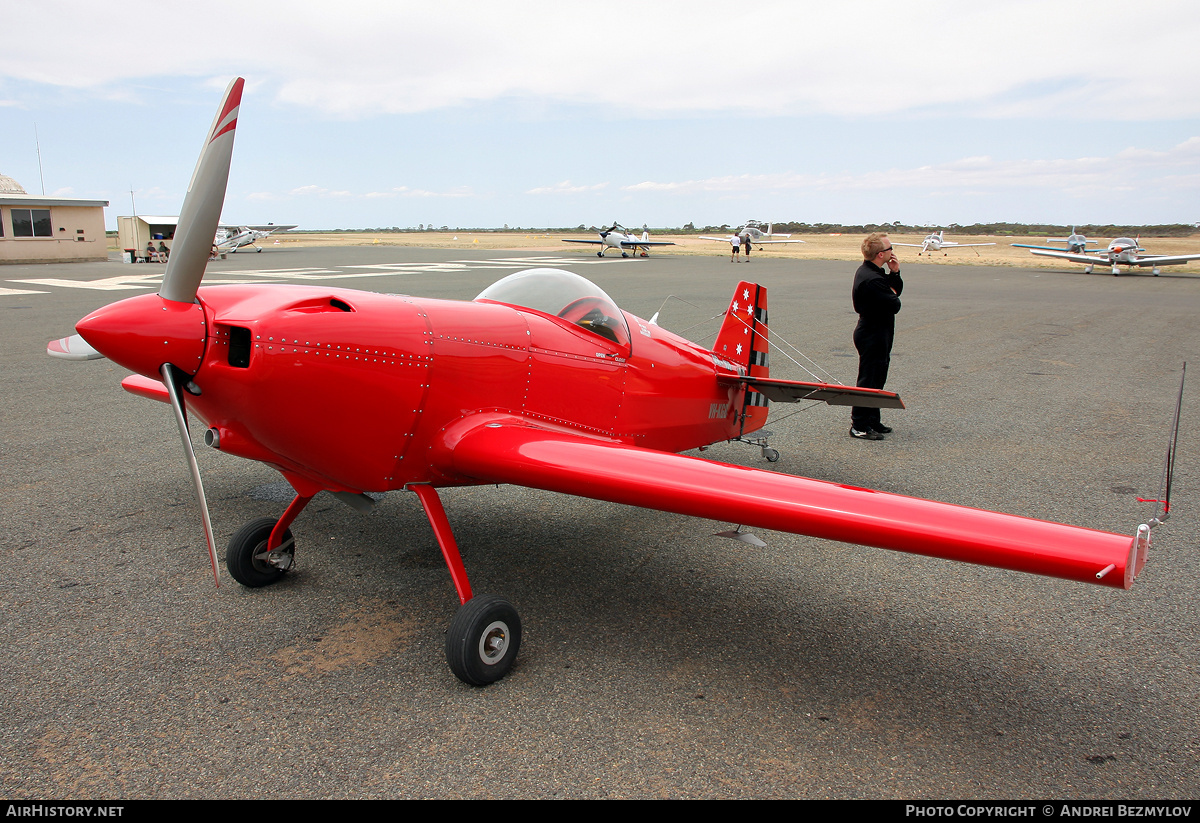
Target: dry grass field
point(815, 246)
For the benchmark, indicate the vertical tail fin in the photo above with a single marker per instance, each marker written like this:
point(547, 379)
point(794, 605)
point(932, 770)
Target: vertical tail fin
point(743, 341)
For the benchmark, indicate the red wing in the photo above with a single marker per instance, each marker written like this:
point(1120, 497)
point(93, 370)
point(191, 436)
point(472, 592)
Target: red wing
point(146, 387)
point(509, 450)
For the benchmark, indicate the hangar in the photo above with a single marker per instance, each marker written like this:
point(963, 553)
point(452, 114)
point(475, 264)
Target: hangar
point(135, 233)
point(40, 229)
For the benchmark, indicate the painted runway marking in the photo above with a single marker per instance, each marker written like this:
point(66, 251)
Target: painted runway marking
point(347, 272)
point(135, 281)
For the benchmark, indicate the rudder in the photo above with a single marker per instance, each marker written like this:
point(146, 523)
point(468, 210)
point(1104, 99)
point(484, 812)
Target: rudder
point(743, 340)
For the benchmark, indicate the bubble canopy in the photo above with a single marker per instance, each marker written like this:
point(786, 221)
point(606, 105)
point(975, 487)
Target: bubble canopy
point(562, 294)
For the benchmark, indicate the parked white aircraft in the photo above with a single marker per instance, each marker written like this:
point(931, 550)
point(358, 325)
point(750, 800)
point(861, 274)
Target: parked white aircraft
point(938, 242)
point(753, 231)
point(232, 238)
point(1076, 243)
point(619, 237)
point(1121, 252)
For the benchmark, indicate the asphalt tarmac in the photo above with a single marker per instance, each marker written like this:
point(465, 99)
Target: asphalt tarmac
point(658, 660)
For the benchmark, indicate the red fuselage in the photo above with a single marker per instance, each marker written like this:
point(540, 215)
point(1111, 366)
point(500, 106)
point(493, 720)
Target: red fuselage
point(353, 391)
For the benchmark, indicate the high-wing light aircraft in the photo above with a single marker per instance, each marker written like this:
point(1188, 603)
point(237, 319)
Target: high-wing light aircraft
point(619, 237)
point(232, 238)
point(1124, 251)
point(753, 232)
point(541, 381)
point(938, 242)
point(1076, 243)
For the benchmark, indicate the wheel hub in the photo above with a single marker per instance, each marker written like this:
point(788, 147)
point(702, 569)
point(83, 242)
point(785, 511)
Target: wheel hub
point(281, 558)
point(493, 643)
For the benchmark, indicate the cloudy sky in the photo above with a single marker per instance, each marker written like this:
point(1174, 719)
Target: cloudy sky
point(362, 114)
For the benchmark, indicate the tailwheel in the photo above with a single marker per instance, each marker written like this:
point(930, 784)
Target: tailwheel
point(483, 640)
point(249, 561)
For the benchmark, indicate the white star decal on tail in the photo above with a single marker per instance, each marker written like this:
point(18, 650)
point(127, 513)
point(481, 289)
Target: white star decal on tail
point(739, 348)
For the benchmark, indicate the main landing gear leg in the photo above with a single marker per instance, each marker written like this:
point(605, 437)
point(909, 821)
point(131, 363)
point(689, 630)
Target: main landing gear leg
point(485, 634)
point(263, 550)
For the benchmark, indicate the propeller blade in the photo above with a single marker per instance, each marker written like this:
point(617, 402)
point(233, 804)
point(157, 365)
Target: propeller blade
point(172, 377)
point(72, 348)
point(202, 206)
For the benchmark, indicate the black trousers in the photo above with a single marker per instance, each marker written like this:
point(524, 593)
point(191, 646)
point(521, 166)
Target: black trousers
point(874, 343)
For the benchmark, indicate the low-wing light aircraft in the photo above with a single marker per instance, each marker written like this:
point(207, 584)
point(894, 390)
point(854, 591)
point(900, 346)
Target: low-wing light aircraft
point(619, 237)
point(232, 238)
point(938, 242)
point(1124, 251)
point(753, 232)
point(1076, 243)
point(541, 381)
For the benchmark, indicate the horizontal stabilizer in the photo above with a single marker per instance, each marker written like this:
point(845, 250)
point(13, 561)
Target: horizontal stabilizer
point(795, 391)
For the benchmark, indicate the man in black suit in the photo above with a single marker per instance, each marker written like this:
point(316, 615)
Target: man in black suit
point(876, 296)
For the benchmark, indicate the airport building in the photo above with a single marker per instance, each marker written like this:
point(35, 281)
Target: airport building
point(39, 229)
point(135, 233)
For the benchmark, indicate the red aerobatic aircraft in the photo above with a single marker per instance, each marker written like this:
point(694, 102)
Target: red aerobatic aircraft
point(541, 381)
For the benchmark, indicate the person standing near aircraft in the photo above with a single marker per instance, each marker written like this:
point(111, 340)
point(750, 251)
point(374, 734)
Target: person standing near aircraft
point(876, 297)
point(746, 243)
point(735, 253)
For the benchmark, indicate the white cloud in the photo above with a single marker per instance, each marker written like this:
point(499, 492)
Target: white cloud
point(1133, 168)
point(357, 58)
point(565, 187)
point(342, 194)
point(317, 191)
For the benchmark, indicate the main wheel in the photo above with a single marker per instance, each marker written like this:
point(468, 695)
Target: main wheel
point(599, 254)
point(483, 640)
point(249, 561)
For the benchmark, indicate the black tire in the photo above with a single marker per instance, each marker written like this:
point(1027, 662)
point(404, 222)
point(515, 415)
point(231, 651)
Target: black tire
point(251, 539)
point(483, 640)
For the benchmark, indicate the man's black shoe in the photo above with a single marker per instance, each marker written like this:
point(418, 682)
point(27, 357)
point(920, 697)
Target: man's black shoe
point(882, 429)
point(864, 435)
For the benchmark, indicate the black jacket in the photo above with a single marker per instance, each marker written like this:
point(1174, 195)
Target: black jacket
point(876, 293)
